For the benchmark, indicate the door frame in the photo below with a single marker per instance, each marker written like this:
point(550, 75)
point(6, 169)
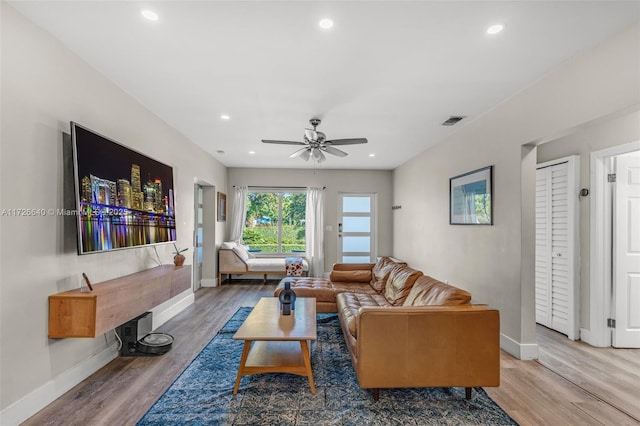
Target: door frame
point(197, 267)
point(600, 281)
point(209, 257)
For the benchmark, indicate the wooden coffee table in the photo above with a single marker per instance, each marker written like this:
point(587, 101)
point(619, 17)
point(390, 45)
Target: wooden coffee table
point(275, 343)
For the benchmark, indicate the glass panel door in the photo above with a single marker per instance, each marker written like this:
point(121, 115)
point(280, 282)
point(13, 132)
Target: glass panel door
point(356, 228)
point(198, 236)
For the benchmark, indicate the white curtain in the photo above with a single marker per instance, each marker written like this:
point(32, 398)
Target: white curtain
point(315, 231)
point(238, 213)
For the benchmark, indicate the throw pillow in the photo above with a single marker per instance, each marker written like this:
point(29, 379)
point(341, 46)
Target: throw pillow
point(242, 253)
point(228, 245)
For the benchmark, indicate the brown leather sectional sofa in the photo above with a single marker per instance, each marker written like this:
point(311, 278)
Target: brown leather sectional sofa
point(405, 329)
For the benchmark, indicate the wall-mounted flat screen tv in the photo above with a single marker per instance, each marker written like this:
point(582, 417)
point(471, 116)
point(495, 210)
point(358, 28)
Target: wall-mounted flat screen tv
point(123, 198)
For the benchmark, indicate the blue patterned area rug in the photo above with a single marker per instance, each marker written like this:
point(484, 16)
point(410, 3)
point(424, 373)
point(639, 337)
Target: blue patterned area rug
point(203, 393)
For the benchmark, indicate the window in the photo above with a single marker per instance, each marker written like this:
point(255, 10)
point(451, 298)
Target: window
point(275, 222)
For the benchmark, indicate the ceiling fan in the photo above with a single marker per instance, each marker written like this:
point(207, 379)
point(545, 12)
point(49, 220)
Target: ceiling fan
point(316, 144)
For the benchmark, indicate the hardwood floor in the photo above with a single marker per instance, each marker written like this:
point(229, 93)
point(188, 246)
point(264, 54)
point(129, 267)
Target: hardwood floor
point(571, 384)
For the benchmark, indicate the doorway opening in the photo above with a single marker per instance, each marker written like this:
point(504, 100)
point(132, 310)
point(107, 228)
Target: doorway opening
point(614, 284)
point(204, 236)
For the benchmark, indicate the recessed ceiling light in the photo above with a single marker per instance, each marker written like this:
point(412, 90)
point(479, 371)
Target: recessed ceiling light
point(149, 14)
point(221, 152)
point(495, 29)
point(252, 152)
point(225, 117)
point(372, 155)
point(325, 23)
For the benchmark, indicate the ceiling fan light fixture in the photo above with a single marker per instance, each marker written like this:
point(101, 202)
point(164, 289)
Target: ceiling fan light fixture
point(305, 154)
point(318, 155)
point(299, 153)
point(316, 144)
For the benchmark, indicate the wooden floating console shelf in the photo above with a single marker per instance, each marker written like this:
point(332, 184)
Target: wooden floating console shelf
point(114, 302)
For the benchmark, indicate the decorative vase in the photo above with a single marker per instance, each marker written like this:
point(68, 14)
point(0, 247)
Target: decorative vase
point(287, 299)
point(178, 260)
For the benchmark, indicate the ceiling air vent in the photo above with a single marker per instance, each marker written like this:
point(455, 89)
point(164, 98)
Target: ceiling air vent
point(453, 120)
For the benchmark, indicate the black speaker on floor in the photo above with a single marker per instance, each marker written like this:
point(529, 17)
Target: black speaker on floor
point(137, 339)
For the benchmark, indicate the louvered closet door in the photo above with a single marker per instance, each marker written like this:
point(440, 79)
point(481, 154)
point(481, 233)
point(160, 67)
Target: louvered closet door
point(556, 244)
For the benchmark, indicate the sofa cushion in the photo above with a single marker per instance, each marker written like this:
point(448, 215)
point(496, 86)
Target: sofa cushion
point(349, 305)
point(320, 288)
point(350, 276)
point(401, 279)
point(429, 291)
point(361, 288)
point(380, 273)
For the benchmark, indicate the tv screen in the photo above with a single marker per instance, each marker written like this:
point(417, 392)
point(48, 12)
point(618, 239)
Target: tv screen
point(123, 198)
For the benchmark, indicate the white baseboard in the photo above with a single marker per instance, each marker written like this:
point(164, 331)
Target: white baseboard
point(585, 336)
point(521, 351)
point(209, 282)
point(165, 313)
point(591, 338)
point(35, 401)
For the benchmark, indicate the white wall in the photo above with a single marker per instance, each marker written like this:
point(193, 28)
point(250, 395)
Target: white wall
point(595, 137)
point(43, 87)
point(335, 181)
point(494, 263)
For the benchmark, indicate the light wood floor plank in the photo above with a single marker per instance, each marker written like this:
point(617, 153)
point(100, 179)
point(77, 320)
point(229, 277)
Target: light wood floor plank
point(611, 374)
point(533, 393)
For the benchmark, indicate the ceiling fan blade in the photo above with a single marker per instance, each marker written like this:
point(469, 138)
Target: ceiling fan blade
point(306, 154)
point(334, 151)
point(311, 134)
point(347, 141)
point(283, 142)
point(299, 152)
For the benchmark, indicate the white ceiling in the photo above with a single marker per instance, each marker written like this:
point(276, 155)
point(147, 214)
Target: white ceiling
point(389, 71)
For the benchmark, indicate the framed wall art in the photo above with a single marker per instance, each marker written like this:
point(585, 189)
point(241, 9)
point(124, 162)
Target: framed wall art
point(222, 207)
point(471, 198)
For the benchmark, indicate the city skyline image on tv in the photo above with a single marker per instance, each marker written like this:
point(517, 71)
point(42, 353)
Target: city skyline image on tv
point(123, 198)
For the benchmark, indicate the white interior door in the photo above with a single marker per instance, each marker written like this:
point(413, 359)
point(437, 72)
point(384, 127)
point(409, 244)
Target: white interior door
point(543, 248)
point(556, 263)
point(626, 253)
point(356, 228)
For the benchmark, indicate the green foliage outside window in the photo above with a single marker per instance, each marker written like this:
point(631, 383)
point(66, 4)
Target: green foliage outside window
point(482, 205)
point(275, 222)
